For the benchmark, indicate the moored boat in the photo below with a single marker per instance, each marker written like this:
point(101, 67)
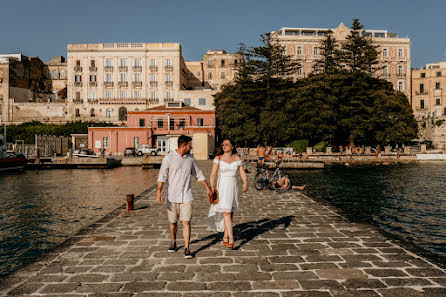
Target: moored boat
point(10, 161)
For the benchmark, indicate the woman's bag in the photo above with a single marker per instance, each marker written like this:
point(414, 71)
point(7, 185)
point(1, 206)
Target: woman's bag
point(213, 199)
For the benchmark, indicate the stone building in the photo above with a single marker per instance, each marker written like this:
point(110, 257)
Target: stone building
point(56, 76)
point(303, 44)
point(429, 102)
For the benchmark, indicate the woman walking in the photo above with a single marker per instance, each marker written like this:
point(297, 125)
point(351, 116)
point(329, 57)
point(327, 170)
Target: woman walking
point(224, 179)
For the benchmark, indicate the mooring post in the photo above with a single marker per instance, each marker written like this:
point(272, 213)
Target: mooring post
point(130, 200)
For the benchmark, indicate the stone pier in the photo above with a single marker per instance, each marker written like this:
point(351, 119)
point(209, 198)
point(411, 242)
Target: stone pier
point(286, 245)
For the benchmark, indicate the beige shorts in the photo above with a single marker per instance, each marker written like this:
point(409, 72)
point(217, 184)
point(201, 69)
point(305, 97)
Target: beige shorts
point(179, 211)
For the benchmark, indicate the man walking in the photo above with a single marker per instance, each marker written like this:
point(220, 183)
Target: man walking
point(176, 169)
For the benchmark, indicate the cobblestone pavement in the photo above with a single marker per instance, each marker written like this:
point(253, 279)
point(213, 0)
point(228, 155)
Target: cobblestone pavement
point(286, 245)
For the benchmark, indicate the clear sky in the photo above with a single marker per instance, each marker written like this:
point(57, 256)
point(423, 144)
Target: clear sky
point(44, 27)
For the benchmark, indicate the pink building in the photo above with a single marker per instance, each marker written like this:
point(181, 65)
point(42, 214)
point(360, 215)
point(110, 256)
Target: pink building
point(158, 127)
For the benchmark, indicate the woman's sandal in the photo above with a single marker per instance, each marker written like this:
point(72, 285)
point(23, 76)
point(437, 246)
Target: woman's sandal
point(230, 245)
point(225, 243)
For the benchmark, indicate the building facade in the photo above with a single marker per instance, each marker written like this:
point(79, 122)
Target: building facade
point(303, 44)
point(157, 127)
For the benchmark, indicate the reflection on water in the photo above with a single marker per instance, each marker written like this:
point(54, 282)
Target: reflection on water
point(39, 209)
point(408, 201)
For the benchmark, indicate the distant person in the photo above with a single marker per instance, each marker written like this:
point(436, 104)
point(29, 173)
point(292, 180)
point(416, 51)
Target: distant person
point(261, 155)
point(176, 170)
point(283, 183)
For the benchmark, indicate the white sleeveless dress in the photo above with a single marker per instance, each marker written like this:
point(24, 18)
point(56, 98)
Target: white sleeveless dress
point(228, 194)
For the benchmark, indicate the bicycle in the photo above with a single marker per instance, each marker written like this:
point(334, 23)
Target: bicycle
point(262, 179)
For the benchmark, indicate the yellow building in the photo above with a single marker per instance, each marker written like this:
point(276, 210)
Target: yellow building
point(303, 44)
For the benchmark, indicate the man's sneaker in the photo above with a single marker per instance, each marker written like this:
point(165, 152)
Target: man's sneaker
point(172, 247)
point(187, 253)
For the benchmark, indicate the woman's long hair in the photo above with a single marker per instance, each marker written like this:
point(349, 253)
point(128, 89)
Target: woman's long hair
point(220, 149)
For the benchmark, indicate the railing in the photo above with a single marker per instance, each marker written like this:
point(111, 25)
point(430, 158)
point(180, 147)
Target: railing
point(93, 101)
point(78, 84)
point(154, 101)
point(387, 58)
point(401, 75)
point(210, 65)
point(108, 84)
point(168, 100)
point(169, 83)
point(123, 68)
point(93, 69)
point(123, 83)
point(168, 68)
point(153, 68)
point(137, 83)
point(93, 84)
point(137, 68)
point(122, 101)
point(422, 93)
point(77, 69)
point(154, 83)
point(78, 101)
point(108, 68)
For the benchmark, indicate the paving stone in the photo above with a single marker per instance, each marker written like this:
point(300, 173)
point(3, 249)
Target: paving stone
point(141, 286)
point(400, 292)
point(256, 294)
point(341, 274)
point(320, 284)
point(133, 276)
point(88, 278)
point(185, 286)
point(60, 288)
point(276, 285)
point(363, 284)
point(25, 289)
point(385, 272)
point(174, 276)
point(406, 282)
point(306, 294)
point(354, 293)
point(435, 292)
point(99, 288)
point(426, 272)
point(157, 294)
point(295, 275)
point(229, 286)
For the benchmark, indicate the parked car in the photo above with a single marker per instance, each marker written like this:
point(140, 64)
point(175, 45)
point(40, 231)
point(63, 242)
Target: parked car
point(145, 149)
point(130, 151)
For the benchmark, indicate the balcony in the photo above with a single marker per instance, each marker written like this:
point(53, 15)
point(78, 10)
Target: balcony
point(154, 101)
point(153, 83)
point(123, 68)
point(210, 65)
point(153, 68)
point(93, 84)
point(402, 75)
point(78, 84)
point(93, 69)
point(108, 68)
point(168, 67)
point(93, 101)
point(137, 68)
point(385, 76)
point(78, 101)
point(169, 83)
point(137, 83)
point(168, 100)
point(108, 84)
point(422, 93)
point(77, 69)
point(123, 84)
point(387, 58)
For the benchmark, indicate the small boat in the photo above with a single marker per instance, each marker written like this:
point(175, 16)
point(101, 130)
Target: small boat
point(10, 161)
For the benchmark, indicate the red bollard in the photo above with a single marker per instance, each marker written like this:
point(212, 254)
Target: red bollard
point(130, 199)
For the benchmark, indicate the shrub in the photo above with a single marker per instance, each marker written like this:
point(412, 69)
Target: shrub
point(439, 122)
point(319, 147)
point(299, 146)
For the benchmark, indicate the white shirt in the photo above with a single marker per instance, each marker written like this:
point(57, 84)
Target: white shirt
point(176, 172)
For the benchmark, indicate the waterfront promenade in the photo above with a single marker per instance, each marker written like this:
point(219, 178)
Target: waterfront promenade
point(286, 245)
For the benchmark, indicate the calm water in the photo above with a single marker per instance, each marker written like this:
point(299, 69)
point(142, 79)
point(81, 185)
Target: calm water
point(408, 201)
point(39, 209)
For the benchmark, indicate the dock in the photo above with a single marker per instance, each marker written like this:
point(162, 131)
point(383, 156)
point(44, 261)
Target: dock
point(71, 163)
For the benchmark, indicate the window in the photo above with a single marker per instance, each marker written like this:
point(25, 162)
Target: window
point(421, 103)
point(209, 75)
point(299, 70)
point(210, 63)
point(92, 114)
point(62, 74)
point(93, 95)
point(78, 95)
point(384, 52)
point(168, 78)
point(299, 50)
point(142, 122)
point(423, 74)
point(123, 94)
point(105, 142)
point(200, 122)
point(400, 70)
point(122, 62)
point(55, 74)
point(315, 51)
point(172, 124)
point(400, 86)
point(223, 63)
point(400, 52)
point(439, 73)
point(137, 62)
point(137, 75)
point(187, 101)
point(78, 114)
point(316, 69)
point(77, 78)
point(182, 124)
point(108, 94)
point(385, 71)
point(437, 86)
point(235, 62)
point(153, 94)
point(78, 63)
point(92, 63)
point(123, 114)
point(168, 95)
point(137, 94)
point(108, 63)
point(222, 75)
point(168, 64)
point(153, 78)
point(202, 101)
point(122, 77)
point(437, 101)
point(135, 142)
point(160, 123)
point(108, 77)
point(108, 113)
point(421, 88)
point(92, 78)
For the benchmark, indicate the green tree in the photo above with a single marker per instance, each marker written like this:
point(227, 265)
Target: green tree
point(358, 54)
point(328, 63)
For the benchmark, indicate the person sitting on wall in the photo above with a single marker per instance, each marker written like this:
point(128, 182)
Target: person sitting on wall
point(283, 183)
